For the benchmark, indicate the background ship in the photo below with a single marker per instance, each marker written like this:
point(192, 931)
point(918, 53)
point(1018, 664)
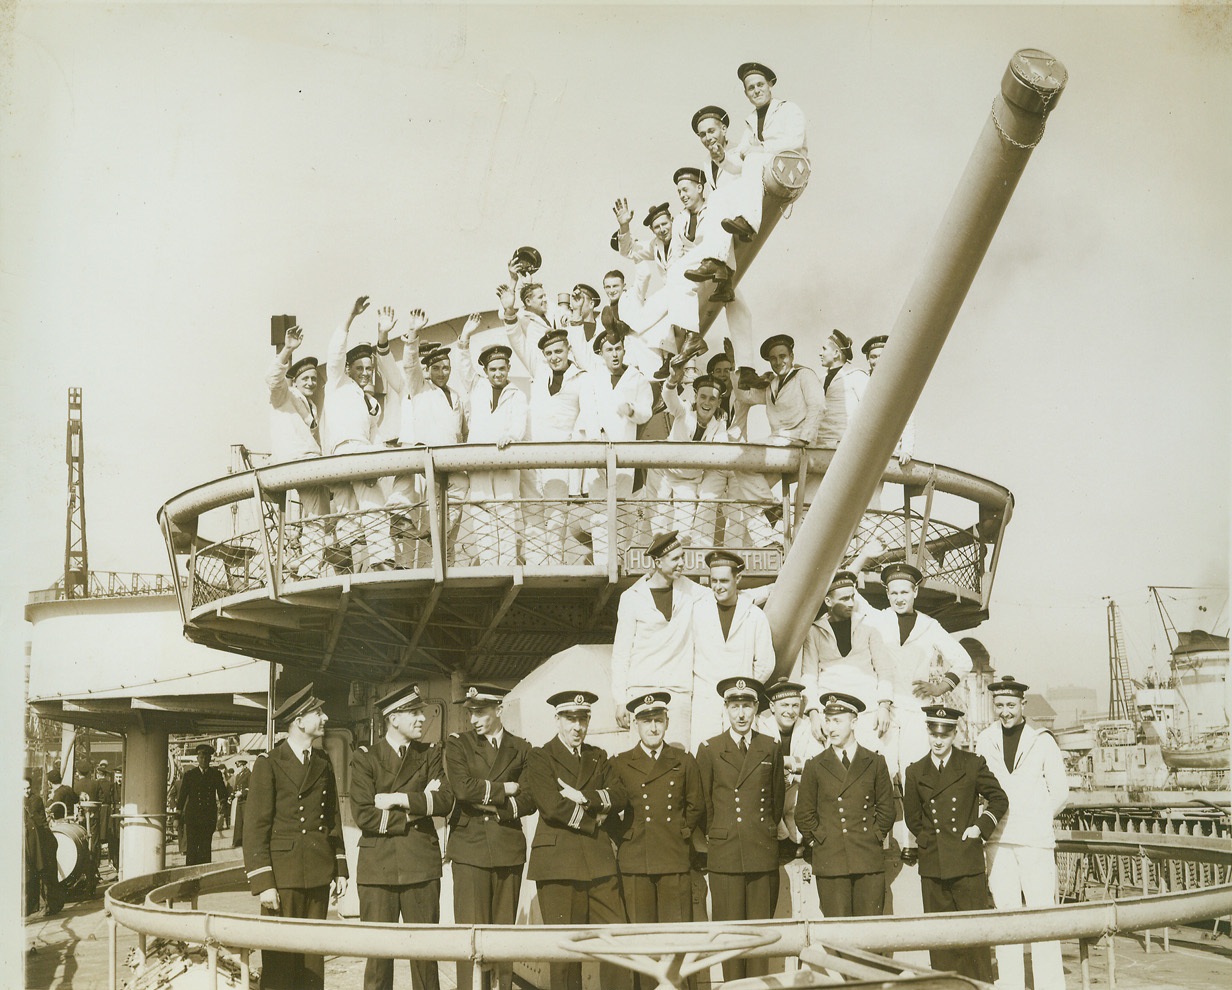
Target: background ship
point(1163, 747)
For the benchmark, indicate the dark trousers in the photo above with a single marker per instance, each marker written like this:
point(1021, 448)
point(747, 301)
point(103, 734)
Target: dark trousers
point(738, 897)
point(199, 837)
point(417, 904)
point(237, 833)
point(583, 902)
point(295, 970)
point(857, 895)
point(657, 897)
point(485, 896)
point(959, 894)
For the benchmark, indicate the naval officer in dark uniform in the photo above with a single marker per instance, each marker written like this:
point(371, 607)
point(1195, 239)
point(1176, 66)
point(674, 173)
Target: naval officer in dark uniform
point(487, 846)
point(293, 849)
point(397, 785)
point(665, 804)
point(202, 792)
point(846, 809)
point(571, 859)
point(942, 794)
point(743, 783)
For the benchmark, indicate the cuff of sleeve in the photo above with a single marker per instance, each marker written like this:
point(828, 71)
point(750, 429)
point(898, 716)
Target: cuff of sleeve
point(575, 819)
point(384, 826)
point(605, 799)
point(513, 806)
point(952, 678)
point(487, 792)
point(428, 795)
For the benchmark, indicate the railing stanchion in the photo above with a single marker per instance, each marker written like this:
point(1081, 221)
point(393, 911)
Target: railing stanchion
point(113, 975)
point(1084, 962)
point(244, 978)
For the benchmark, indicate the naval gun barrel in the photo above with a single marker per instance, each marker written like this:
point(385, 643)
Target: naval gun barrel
point(1032, 83)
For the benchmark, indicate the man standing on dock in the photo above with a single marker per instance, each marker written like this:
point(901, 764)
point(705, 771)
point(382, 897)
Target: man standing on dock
point(293, 848)
point(202, 793)
point(1021, 856)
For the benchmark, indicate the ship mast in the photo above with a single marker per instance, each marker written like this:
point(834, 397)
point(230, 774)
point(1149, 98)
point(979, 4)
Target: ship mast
point(1122, 703)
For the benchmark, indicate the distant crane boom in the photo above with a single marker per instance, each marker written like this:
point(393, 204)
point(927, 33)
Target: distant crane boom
point(76, 560)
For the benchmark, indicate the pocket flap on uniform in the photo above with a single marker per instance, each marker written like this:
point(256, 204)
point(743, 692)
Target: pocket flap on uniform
point(717, 833)
point(544, 839)
point(282, 845)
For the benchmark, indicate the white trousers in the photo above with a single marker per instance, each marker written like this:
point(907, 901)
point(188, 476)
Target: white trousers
point(1018, 874)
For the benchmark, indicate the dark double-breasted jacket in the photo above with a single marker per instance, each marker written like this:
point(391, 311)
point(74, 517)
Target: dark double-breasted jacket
point(399, 846)
point(664, 805)
point(201, 792)
point(292, 826)
point(846, 812)
point(744, 795)
point(569, 843)
point(939, 807)
point(486, 825)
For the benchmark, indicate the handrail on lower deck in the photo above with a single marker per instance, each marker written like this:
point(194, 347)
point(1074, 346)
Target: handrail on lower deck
point(136, 904)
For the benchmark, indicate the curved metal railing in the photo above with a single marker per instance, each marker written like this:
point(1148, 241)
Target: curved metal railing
point(143, 904)
point(434, 530)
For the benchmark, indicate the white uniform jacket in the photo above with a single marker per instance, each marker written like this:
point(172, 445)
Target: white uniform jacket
point(551, 417)
point(1037, 787)
point(782, 130)
point(748, 651)
point(929, 652)
point(684, 427)
point(649, 652)
point(439, 416)
point(582, 350)
point(842, 399)
point(631, 388)
point(350, 416)
point(864, 672)
point(794, 405)
point(507, 421)
point(295, 422)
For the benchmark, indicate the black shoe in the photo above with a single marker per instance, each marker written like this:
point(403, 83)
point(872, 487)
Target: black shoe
point(910, 855)
point(722, 292)
point(740, 229)
point(704, 272)
point(665, 369)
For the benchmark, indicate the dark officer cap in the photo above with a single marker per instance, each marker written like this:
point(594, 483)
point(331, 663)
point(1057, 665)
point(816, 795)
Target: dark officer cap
point(403, 698)
point(654, 211)
point(689, 172)
point(842, 579)
point(614, 334)
point(198, 749)
point(783, 688)
point(663, 543)
point(842, 342)
point(778, 338)
point(572, 701)
point(301, 365)
point(1007, 685)
point(529, 257)
point(941, 715)
point(649, 704)
point(359, 351)
point(615, 240)
point(551, 337)
point(482, 695)
point(878, 341)
point(494, 350)
point(732, 688)
point(718, 113)
point(725, 557)
point(702, 381)
point(900, 569)
point(714, 362)
point(750, 67)
point(302, 702)
point(836, 703)
point(589, 290)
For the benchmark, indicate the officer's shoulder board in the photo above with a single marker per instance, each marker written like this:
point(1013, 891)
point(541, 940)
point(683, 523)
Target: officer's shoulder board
point(362, 747)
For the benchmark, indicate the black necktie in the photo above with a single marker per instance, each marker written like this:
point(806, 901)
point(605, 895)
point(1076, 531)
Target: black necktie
point(374, 407)
point(692, 227)
point(312, 417)
point(402, 751)
point(846, 762)
point(307, 756)
point(555, 382)
point(492, 741)
point(940, 766)
point(744, 744)
point(714, 170)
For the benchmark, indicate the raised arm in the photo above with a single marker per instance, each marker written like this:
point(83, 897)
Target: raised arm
point(466, 362)
point(389, 369)
point(276, 376)
point(412, 370)
point(335, 358)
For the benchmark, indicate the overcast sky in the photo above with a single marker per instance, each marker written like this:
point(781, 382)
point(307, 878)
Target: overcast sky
point(174, 174)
